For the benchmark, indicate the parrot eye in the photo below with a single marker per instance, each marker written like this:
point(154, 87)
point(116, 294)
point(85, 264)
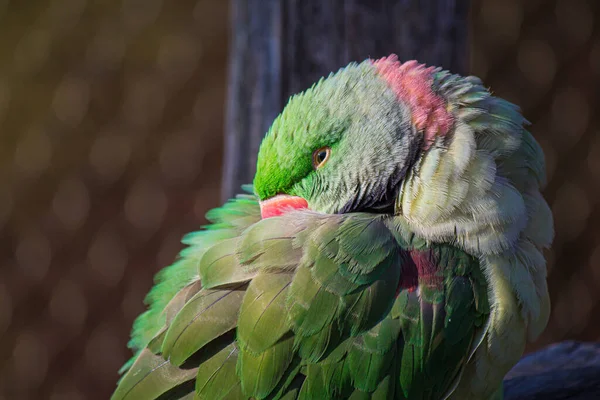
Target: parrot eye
point(320, 157)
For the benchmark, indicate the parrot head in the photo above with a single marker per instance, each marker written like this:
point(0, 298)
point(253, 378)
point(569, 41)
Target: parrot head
point(345, 144)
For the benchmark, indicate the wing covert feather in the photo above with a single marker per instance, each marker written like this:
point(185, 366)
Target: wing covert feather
point(309, 305)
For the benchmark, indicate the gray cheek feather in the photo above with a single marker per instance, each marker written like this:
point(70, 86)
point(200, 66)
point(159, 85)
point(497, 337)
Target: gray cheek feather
point(386, 144)
point(374, 151)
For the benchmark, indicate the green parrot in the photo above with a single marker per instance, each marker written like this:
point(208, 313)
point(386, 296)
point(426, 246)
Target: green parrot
point(390, 247)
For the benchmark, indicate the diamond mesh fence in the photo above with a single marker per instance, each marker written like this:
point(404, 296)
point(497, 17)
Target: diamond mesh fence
point(111, 115)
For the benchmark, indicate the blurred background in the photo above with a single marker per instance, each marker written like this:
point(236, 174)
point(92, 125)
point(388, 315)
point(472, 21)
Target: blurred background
point(111, 142)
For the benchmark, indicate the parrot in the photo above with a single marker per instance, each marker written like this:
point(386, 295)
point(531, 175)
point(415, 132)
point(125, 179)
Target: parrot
point(390, 246)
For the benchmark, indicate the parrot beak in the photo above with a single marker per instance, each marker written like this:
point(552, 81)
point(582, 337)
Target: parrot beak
point(280, 204)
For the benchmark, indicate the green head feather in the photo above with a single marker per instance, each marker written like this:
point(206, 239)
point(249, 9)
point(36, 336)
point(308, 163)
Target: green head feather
point(372, 140)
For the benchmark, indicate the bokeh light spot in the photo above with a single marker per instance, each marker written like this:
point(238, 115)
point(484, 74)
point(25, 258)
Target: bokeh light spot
point(71, 101)
point(537, 61)
point(146, 205)
point(138, 14)
point(65, 14)
point(180, 159)
point(502, 20)
point(575, 18)
point(33, 153)
point(106, 49)
point(71, 203)
point(68, 305)
point(178, 57)
point(32, 52)
point(570, 115)
point(102, 353)
point(30, 357)
point(109, 156)
point(144, 101)
point(571, 210)
point(33, 255)
point(107, 257)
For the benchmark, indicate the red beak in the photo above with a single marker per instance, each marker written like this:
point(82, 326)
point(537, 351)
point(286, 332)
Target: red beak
point(280, 204)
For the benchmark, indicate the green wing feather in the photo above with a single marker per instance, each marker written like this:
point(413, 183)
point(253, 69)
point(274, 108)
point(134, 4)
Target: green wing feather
point(151, 376)
point(217, 378)
point(307, 306)
point(208, 315)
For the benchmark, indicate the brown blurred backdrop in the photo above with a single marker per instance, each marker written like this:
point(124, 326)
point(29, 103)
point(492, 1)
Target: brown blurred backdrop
point(111, 120)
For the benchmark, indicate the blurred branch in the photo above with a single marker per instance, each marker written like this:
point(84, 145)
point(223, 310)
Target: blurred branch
point(280, 47)
point(567, 370)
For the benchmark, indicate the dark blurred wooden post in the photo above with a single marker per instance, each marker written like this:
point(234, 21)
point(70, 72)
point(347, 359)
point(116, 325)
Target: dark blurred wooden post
point(280, 47)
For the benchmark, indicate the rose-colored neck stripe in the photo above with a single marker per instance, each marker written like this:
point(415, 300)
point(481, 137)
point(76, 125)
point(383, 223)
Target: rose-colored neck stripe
point(412, 83)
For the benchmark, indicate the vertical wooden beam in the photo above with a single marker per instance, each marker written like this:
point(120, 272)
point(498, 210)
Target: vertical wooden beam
point(280, 47)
